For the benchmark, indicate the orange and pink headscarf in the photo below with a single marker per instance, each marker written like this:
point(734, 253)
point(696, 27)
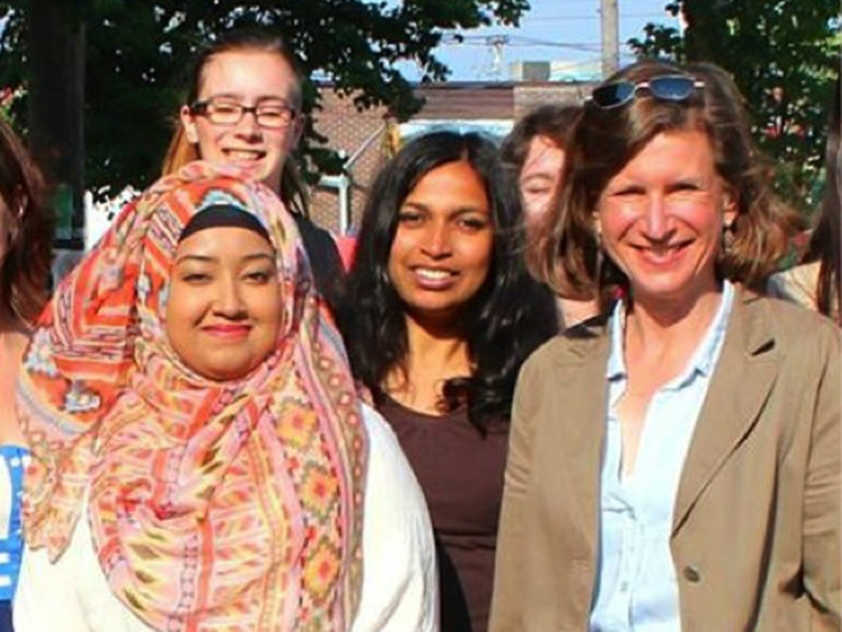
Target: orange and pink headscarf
point(233, 505)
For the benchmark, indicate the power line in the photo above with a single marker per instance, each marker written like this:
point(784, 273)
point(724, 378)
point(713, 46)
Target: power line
point(595, 16)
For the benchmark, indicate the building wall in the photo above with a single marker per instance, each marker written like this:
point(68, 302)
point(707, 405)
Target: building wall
point(528, 96)
point(348, 130)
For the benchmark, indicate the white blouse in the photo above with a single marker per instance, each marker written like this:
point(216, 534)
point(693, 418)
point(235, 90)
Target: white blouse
point(400, 584)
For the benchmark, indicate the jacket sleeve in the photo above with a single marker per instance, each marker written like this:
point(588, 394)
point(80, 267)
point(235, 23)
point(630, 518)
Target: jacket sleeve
point(822, 554)
point(507, 602)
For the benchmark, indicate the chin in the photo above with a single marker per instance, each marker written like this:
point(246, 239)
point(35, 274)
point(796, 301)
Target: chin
point(225, 374)
point(439, 314)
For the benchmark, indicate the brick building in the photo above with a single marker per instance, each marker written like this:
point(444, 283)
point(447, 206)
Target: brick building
point(366, 139)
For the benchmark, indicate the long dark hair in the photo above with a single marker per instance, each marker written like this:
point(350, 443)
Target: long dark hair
point(505, 321)
point(26, 267)
point(181, 151)
point(825, 240)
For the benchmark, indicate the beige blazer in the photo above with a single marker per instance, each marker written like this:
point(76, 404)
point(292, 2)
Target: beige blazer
point(756, 528)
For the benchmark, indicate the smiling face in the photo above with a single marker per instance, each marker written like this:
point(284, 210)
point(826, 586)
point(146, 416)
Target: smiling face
point(223, 312)
point(442, 249)
point(247, 77)
point(540, 177)
point(661, 218)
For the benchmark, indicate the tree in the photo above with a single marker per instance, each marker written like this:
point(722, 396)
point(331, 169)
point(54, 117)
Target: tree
point(137, 57)
point(783, 55)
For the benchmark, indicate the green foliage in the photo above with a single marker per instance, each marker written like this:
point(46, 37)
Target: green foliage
point(138, 55)
point(783, 55)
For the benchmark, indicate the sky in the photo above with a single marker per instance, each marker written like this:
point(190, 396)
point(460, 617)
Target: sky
point(563, 30)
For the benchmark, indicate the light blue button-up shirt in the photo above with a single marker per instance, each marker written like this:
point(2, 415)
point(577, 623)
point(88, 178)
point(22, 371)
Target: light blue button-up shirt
point(636, 587)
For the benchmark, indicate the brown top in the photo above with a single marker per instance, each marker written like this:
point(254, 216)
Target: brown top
point(461, 473)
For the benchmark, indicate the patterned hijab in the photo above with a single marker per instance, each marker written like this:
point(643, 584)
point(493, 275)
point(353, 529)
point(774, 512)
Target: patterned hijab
point(213, 505)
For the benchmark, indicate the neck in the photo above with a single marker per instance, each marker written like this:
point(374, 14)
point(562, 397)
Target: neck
point(672, 324)
point(437, 352)
point(13, 338)
point(11, 324)
point(437, 348)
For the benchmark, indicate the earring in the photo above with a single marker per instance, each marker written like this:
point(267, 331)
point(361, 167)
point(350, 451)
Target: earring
point(727, 237)
point(191, 134)
point(600, 257)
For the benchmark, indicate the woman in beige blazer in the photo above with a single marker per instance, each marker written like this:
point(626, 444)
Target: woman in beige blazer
point(675, 466)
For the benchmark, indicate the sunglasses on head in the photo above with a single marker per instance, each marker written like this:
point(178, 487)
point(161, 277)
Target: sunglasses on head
point(665, 87)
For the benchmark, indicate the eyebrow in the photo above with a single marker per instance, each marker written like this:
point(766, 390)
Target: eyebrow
point(239, 97)
point(207, 259)
point(457, 211)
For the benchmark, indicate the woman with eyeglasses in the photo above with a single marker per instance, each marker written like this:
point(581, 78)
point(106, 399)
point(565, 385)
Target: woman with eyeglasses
point(243, 107)
point(676, 466)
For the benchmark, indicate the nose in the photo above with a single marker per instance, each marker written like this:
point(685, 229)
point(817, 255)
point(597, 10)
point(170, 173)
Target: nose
point(229, 301)
point(247, 127)
point(656, 220)
point(436, 241)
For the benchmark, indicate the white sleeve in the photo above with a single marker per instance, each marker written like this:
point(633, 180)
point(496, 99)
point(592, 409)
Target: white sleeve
point(400, 583)
point(71, 595)
point(43, 599)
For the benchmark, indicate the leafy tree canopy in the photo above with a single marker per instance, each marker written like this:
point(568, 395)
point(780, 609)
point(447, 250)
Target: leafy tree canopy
point(783, 55)
point(138, 56)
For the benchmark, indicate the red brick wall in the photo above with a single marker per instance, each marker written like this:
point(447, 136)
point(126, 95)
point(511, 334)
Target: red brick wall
point(347, 129)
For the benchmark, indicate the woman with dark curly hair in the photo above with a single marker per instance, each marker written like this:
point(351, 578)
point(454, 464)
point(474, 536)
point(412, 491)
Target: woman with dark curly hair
point(25, 254)
point(441, 314)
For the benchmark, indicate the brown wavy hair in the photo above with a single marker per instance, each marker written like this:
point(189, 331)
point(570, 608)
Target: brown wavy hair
point(181, 151)
point(824, 242)
point(553, 120)
point(568, 257)
point(25, 270)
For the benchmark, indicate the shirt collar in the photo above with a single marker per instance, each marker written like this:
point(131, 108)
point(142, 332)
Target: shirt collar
point(705, 355)
point(616, 362)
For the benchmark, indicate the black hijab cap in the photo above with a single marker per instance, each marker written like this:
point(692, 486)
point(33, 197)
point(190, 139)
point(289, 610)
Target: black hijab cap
point(220, 215)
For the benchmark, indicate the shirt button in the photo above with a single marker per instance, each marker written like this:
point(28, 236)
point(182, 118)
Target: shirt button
point(692, 574)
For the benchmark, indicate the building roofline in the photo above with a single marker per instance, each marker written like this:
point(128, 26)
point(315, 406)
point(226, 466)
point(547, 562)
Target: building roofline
point(476, 85)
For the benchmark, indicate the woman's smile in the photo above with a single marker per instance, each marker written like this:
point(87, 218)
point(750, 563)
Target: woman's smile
point(227, 332)
point(434, 278)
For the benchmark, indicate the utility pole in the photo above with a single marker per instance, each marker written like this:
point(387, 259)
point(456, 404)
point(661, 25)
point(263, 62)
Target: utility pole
point(610, 37)
point(56, 44)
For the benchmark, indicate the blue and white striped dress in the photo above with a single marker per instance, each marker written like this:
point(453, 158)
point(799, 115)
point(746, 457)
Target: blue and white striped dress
point(13, 460)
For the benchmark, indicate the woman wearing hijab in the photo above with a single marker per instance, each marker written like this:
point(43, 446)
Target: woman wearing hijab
point(199, 452)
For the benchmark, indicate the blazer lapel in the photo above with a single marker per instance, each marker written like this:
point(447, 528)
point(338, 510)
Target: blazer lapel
point(741, 382)
point(584, 368)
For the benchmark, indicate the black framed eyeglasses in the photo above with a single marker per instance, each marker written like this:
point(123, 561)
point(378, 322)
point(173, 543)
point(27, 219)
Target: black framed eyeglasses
point(666, 87)
point(221, 111)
